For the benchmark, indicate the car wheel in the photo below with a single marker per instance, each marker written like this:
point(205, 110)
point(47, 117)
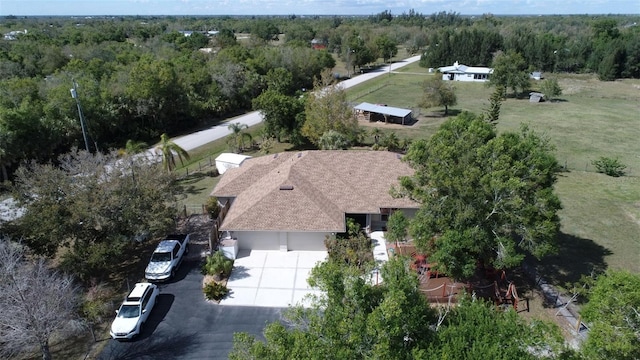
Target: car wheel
point(186, 251)
point(140, 329)
point(173, 273)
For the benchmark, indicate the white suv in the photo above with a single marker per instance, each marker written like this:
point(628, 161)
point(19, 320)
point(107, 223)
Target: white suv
point(134, 311)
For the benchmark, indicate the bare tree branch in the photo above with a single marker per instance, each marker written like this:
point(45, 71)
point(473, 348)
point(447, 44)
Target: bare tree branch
point(36, 302)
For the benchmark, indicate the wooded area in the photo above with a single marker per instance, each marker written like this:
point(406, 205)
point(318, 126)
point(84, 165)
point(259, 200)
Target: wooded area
point(139, 77)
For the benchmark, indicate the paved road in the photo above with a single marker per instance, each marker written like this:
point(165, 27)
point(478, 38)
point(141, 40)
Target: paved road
point(184, 326)
point(197, 139)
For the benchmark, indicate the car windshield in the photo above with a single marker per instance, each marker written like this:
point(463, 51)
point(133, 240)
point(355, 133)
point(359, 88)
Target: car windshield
point(129, 311)
point(161, 257)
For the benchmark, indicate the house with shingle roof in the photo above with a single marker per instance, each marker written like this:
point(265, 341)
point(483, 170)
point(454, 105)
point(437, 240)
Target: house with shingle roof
point(294, 200)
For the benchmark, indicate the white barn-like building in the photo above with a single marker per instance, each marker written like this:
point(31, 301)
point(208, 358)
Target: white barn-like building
point(459, 72)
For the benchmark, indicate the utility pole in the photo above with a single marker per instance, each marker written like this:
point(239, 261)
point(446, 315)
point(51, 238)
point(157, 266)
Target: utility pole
point(74, 94)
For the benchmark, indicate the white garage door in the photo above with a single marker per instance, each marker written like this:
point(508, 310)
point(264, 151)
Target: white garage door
point(257, 240)
point(306, 241)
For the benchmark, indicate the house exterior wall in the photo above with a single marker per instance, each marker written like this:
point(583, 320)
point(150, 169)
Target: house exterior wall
point(465, 77)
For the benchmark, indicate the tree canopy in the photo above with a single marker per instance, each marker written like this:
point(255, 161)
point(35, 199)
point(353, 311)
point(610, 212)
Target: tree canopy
point(359, 320)
point(437, 92)
point(94, 207)
point(613, 312)
point(484, 197)
point(510, 71)
point(327, 109)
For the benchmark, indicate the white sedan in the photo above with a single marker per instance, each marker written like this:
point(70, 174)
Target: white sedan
point(134, 311)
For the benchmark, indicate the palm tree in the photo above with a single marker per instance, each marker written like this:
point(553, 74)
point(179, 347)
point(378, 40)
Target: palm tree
point(238, 136)
point(133, 147)
point(376, 133)
point(167, 149)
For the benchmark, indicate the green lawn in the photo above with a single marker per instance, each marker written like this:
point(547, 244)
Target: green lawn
point(601, 214)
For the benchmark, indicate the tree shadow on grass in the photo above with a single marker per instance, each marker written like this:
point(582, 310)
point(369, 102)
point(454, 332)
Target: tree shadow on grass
point(576, 257)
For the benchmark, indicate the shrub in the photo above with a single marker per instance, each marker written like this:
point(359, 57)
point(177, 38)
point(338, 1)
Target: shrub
point(217, 265)
point(213, 207)
point(609, 166)
point(215, 291)
point(355, 250)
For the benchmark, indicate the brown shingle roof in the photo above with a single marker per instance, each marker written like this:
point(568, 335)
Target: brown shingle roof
point(326, 185)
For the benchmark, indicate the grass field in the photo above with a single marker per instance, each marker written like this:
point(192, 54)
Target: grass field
point(601, 214)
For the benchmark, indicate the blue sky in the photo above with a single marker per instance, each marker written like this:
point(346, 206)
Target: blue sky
point(313, 7)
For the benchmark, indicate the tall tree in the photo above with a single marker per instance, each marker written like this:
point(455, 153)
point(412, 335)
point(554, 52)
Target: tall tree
point(168, 149)
point(37, 302)
point(510, 71)
point(282, 114)
point(485, 197)
point(437, 92)
point(386, 47)
point(327, 109)
point(492, 114)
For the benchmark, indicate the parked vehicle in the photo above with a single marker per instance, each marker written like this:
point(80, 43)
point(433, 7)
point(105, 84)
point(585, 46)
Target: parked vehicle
point(134, 311)
point(167, 257)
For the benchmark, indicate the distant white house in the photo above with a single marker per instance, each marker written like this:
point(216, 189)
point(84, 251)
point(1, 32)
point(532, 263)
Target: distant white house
point(459, 72)
point(13, 35)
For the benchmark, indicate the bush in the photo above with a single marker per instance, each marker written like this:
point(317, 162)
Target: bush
point(355, 250)
point(217, 265)
point(215, 291)
point(213, 207)
point(609, 166)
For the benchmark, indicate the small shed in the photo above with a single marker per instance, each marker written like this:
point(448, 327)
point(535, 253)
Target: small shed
point(535, 97)
point(378, 112)
point(227, 161)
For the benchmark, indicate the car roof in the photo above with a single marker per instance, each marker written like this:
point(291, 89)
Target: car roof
point(166, 245)
point(138, 291)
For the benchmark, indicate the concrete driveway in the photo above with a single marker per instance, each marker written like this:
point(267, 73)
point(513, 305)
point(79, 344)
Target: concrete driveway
point(272, 278)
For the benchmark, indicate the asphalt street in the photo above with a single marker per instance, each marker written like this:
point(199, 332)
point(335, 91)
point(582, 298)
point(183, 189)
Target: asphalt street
point(199, 138)
point(183, 325)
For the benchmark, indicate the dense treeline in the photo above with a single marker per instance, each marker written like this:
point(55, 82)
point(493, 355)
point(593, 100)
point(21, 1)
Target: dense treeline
point(608, 46)
point(141, 77)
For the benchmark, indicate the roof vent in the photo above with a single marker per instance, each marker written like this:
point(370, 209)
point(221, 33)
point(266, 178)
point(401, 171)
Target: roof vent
point(299, 155)
point(286, 187)
point(275, 155)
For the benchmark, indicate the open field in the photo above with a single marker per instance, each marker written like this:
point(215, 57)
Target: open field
point(601, 214)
